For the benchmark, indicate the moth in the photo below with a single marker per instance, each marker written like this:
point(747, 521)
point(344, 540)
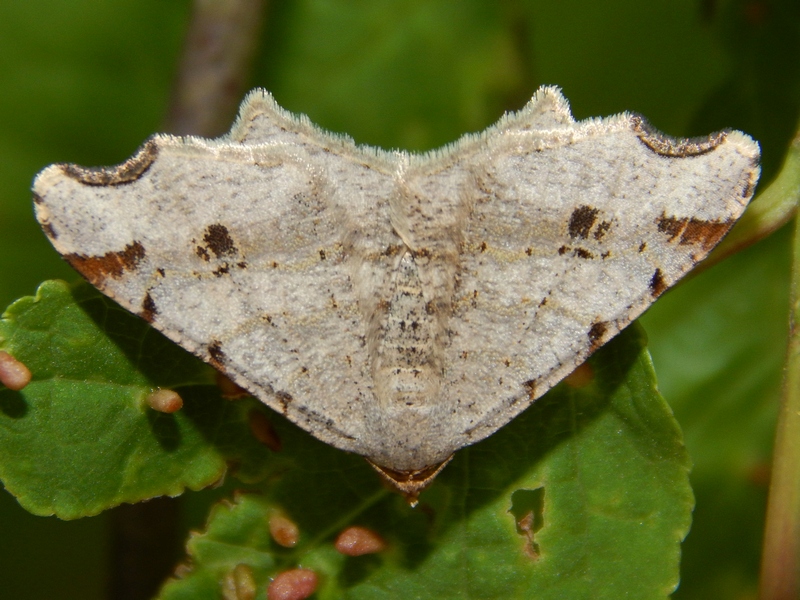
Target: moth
point(400, 306)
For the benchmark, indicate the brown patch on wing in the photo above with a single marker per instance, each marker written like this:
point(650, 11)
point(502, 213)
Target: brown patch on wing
point(129, 171)
point(530, 385)
point(47, 227)
point(393, 250)
point(657, 284)
point(674, 147)
point(96, 269)
point(581, 221)
point(601, 230)
point(219, 241)
point(221, 270)
point(202, 253)
point(749, 187)
point(596, 333)
point(706, 233)
point(285, 399)
point(216, 354)
point(670, 225)
point(694, 231)
point(149, 308)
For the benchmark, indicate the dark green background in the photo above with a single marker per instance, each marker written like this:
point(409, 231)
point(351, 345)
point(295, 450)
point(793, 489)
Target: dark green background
point(87, 81)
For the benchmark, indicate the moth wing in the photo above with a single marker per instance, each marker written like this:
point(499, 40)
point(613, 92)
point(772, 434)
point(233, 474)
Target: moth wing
point(237, 249)
point(574, 229)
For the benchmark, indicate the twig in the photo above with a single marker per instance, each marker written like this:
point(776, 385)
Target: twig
point(212, 77)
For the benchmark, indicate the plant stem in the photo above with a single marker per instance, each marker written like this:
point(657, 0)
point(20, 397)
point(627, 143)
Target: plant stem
point(780, 562)
point(221, 43)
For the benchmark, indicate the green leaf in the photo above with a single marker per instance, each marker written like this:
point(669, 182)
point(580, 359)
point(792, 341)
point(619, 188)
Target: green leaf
point(80, 437)
point(718, 342)
point(602, 468)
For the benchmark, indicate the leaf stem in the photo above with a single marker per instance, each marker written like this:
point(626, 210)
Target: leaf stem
point(780, 562)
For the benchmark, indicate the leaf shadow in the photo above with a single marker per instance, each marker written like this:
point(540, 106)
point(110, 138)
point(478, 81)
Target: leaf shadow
point(324, 489)
point(156, 360)
point(148, 351)
point(490, 468)
point(13, 404)
point(358, 568)
point(165, 429)
point(329, 489)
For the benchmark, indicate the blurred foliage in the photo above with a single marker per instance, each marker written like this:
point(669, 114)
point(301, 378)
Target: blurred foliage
point(88, 81)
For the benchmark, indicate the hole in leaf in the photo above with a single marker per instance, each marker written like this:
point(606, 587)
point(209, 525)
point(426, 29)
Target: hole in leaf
point(527, 506)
